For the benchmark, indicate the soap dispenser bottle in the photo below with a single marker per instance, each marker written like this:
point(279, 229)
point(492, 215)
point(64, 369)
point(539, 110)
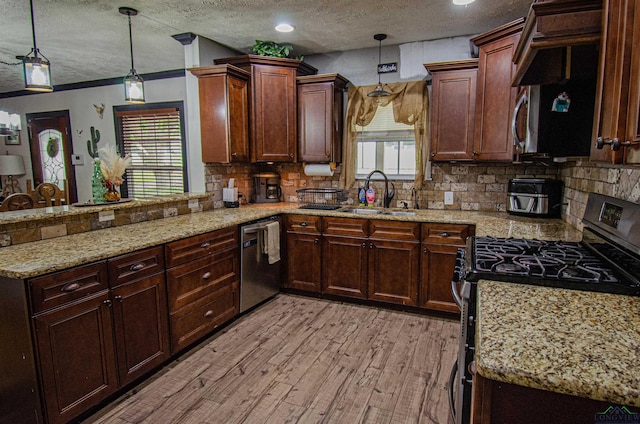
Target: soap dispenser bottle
point(371, 196)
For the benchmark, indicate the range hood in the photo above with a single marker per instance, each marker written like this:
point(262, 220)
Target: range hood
point(552, 29)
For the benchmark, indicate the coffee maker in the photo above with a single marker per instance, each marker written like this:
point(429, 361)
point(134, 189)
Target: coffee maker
point(266, 188)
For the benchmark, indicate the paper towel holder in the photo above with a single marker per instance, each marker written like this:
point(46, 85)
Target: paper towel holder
point(332, 165)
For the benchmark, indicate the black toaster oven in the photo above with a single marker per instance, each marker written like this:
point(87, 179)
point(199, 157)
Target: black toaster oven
point(536, 197)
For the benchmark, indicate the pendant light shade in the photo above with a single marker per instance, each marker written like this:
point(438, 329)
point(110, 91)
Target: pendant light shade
point(379, 91)
point(37, 69)
point(133, 83)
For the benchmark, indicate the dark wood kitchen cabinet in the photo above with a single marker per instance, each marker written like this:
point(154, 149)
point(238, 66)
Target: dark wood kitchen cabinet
point(320, 117)
point(495, 97)
point(74, 340)
point(140, 318)
point(304, 253)
point(273, 123)
point(345, 248)
point(203, 284)
point(453, 109)
point(440, 242)
point(371, 259)
point(224, 113)
point(394, 261)
point(617, 111)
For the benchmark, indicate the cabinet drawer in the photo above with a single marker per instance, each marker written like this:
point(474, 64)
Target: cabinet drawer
point(189, 282)
point(447, 233)
point(183, 251)
point(394, 230)
point(56, 289)
point(303, 223)
point(346, 227)
point(203, 316)
point(133, 266)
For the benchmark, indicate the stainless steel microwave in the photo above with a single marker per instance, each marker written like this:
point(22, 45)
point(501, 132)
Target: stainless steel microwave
point(541, 129)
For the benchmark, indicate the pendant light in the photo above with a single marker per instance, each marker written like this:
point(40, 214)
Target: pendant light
point(37, 69)
point(133, 83)
point(379, 91)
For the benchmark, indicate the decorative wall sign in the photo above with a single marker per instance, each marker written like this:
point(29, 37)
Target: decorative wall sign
point(386, 68)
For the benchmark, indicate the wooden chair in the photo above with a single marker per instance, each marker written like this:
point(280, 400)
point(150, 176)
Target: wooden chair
point(48, 194)
point(17, 202)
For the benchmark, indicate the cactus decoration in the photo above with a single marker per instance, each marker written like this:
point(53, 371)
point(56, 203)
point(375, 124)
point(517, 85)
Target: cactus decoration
point(92, 145)
point(98, 184)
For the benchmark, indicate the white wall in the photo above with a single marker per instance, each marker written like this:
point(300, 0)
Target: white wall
point(83, 116)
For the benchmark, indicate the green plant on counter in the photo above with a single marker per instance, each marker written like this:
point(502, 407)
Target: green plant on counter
point(273, 49)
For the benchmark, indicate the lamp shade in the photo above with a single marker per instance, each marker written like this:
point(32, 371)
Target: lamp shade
point(11, 165)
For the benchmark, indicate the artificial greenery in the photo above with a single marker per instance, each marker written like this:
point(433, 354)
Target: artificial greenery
point(273, 49)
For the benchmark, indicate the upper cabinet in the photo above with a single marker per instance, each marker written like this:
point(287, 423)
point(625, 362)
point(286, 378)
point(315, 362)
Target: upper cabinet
point(616, 128)
point(553, 31)
point(320, 117)
point(453, 109)
point(495, 97)
point(273, 111)
point(224, 113)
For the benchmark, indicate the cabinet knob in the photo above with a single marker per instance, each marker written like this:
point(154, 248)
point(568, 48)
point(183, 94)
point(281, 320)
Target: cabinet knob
point(304, 224)
point(599, 143)
point(137, 267)
point(364, 245)
point(118, 298)
point(433, 154)
point(107, 302)
point(205, 245)
point(206, 275)
point(208, 314)
point(291, 155)
point(370, 245)
point(70, 287)
point(316, 240)
point(444, 234)
point(425, 250)
point(234, 154)
point(474, 153)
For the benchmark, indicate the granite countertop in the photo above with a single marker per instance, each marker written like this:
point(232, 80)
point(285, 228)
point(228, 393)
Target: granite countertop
point(567, 341)
point(41, 257)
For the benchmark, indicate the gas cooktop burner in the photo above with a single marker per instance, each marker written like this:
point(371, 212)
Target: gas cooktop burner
point(550, 263)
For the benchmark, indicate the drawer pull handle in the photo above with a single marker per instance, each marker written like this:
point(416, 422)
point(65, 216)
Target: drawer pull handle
point(205, 245)
point(304, 224)
point(206, 275)
point(71, 287)
point(208, 314)
point(137, 267)
point(445, 234)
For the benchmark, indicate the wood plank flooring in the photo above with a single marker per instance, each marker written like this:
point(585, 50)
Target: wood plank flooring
point(303, 360)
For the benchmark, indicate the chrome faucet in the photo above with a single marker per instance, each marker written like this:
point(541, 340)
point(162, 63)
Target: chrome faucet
point(387, 196)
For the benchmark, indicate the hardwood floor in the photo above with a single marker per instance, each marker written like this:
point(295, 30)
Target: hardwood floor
point(303, 360)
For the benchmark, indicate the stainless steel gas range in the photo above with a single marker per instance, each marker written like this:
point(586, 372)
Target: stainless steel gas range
point(606, 260)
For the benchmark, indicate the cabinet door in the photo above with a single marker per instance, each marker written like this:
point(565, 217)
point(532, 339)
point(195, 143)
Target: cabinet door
point(315, 122)
point(141, 326)
point(224, 113)
point(495, 99)
point(303, 261)
point(274, 114)
point(453, 108)
point(75, 347)
point(437, 264)
point(344, 265)
point(394, 271)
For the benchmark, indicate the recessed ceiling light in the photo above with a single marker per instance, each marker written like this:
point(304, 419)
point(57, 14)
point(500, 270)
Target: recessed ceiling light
point(462, 2)
point(284, 28)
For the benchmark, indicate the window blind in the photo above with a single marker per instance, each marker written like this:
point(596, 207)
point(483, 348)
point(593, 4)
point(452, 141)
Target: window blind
point(153, 138)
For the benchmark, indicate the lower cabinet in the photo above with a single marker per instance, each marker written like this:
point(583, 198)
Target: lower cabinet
point(97, 328)
point(303, 253)
point(440, 242)
point(203, 281)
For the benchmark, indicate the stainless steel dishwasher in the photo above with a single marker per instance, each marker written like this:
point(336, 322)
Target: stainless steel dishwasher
point(259, 280)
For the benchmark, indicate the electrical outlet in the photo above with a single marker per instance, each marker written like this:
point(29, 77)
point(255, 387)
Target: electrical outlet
point(448, 197)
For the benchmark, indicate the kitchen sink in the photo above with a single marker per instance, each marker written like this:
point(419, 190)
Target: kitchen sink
point(365, 211)
point(362, 211)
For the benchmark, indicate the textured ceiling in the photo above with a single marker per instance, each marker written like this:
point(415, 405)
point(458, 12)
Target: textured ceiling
point(88, 39)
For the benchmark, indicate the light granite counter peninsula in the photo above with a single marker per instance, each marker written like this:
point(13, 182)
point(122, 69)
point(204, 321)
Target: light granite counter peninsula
point(585, 344)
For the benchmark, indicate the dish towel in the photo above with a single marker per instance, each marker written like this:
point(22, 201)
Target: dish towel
point(272, 242)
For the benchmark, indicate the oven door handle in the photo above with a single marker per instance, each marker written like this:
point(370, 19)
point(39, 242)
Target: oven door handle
point(456, 294)
point(452, 382)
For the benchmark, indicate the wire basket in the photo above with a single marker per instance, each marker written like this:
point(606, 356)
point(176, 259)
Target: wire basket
point(321, 198)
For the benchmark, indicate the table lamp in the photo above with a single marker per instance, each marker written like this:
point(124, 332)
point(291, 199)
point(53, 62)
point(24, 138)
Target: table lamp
point(11, 165)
